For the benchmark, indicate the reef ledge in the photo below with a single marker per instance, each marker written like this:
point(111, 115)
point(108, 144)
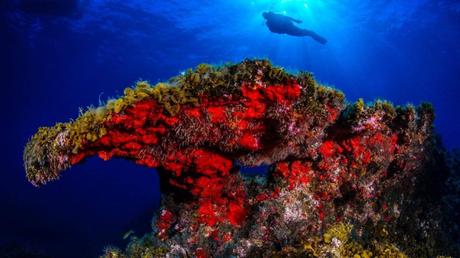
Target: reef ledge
point(344, 179)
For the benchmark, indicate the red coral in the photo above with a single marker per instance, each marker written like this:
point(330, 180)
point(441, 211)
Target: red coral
point(297, 173)
point(332, 113)
point(217, 114)
point(332, 163)
point(329, 149)
point(236, 213)
point(209, 163)
point(207, 187)
point(193, 112)
point(283, 93)
point(164, 222)
point(227, 237)
point(359, 150)
point(200, 253)
point(249, 142)
point(207, 213)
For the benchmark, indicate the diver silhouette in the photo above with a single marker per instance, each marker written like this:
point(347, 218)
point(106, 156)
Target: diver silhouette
point(283, 24)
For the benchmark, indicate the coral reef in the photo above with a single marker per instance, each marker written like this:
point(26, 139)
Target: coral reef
point(344, 179)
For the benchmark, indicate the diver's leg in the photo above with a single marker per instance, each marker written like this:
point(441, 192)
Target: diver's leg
point(302, 33)
point(314, 36)
point(318, 38)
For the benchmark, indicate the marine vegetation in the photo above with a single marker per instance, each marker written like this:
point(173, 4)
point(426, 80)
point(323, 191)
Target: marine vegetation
point(344, 179)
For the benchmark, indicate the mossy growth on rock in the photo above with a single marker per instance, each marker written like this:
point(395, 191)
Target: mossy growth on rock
point(337, 171)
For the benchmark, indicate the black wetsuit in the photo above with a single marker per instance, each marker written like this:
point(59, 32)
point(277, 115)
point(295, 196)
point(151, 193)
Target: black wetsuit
point(282, 24)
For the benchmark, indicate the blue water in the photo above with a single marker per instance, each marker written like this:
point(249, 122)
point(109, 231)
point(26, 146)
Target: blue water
point(65, 54)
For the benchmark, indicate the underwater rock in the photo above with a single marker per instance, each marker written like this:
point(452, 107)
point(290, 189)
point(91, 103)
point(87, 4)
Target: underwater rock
point(344, 180)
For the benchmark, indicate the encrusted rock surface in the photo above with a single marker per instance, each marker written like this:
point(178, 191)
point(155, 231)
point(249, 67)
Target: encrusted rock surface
point(344, 179)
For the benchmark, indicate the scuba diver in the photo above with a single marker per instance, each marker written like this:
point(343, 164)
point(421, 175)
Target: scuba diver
point(283, 24)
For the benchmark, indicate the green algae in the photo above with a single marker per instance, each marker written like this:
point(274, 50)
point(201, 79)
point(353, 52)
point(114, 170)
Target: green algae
point(340, 240)
point(45, 149)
